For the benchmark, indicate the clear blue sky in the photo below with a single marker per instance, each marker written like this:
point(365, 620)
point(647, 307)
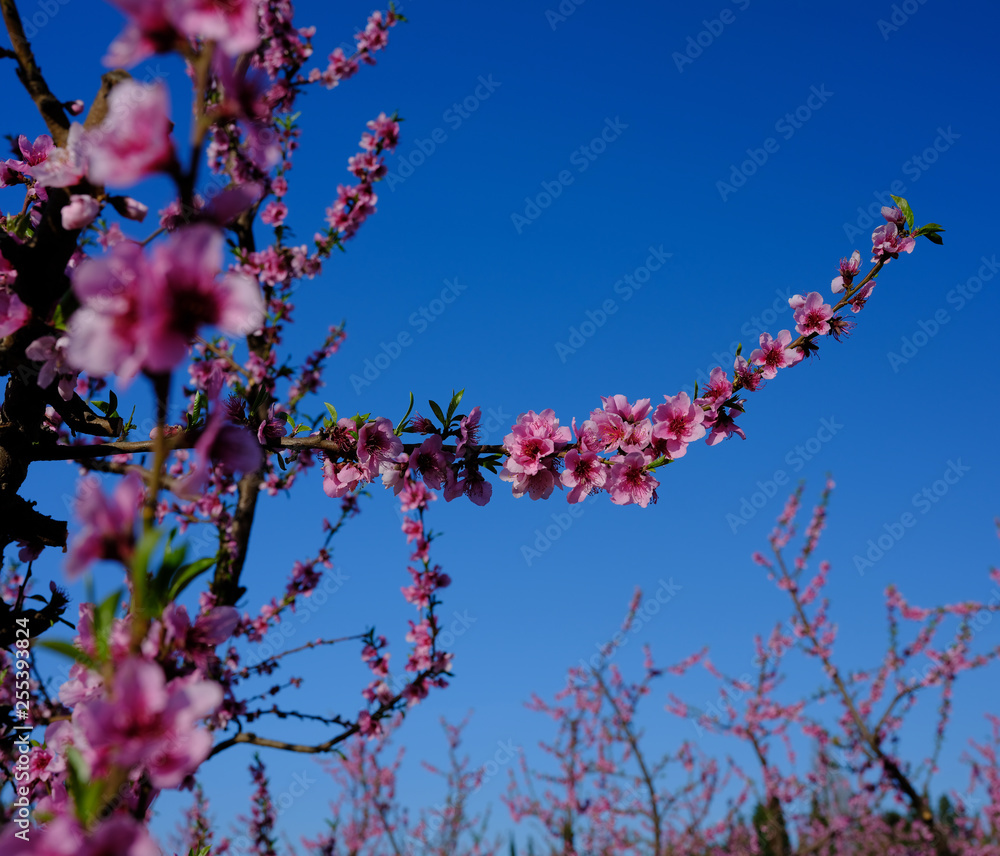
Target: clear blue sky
point(849, 108)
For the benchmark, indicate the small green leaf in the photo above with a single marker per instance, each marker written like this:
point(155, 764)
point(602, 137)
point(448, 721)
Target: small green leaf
point(456, 397)
point(402, 422)
point(904, 206)
point(68, 649)
point(934, 238)
point(438, 412)
point(332, 411)
point(184, 576)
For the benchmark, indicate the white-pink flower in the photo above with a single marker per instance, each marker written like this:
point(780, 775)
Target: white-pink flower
point(812, 315)
point(133, 141)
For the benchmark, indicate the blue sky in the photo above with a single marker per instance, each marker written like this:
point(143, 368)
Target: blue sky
point(845, 109)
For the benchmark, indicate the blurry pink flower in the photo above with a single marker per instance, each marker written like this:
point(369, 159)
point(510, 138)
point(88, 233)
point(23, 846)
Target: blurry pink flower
point(148, 723)
point(67, 164)
point(108, 523)
point(629, 483)
point(221, 444)
point(812, 315)
point(141, 313)
point(80, 212)
point(13, 313)
point(133, 141)
point(274, 213)
point(232, 24)
point(51, 352)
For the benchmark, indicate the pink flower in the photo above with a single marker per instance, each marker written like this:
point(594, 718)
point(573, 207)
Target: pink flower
point(848, 270)
point(886, 243)
point(231, 24)
point(274, 213)
point(429, 460)
point(723, 427)
point(774, 354)
point(630, 483)
point(80, 213)
point(66, 165)
point(812, 315)
point(35, 153)
point(108, 523)
point(893, 215)
point(13, 313)
point(718, 389)
point(149, 724)
point(584, 474)
point(133, 141)
point(340, 479)
point(221, 444)
point(678, 422)
point(468, 432)
point(378, 447)
point(51, 352)
point(141, 313)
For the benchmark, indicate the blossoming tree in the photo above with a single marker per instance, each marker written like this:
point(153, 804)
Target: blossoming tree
point(199, 313)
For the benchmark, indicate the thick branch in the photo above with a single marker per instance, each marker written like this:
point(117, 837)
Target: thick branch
point(31, 77)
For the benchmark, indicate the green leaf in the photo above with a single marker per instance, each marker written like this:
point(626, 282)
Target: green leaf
point(104, 615)
point(437, 412)
point(144, 551)
point(456, 397)
point(86, 794)
point(402, 422)
point(904, 206)
point(68, 649)
point(332, 411)
point(184, 576)
point(934, 238)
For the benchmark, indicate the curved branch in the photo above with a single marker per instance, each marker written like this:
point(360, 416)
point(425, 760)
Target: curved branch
point(30, 75)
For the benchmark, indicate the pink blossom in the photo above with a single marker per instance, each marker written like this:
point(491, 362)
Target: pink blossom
point(893, 214)
point(848, 270)
point(229, 447)
point(13, 313)
point(717, 390)
point(887, 244)
point(339, 479)
point(80, 212)
point(66, 165)
point(51, 352)
point(774, 354)
point(133, 141)
point(108, 523)
point(232, 24)
point(140, 312)
point(378, 447)
point(583, 474)
point(274, 213)
point(678, 422)
point(812, 315)
point(630, 483)
point(723, 427)
point(148, 723)
point(429, 460)
point(35, 153)
point(468, 431)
